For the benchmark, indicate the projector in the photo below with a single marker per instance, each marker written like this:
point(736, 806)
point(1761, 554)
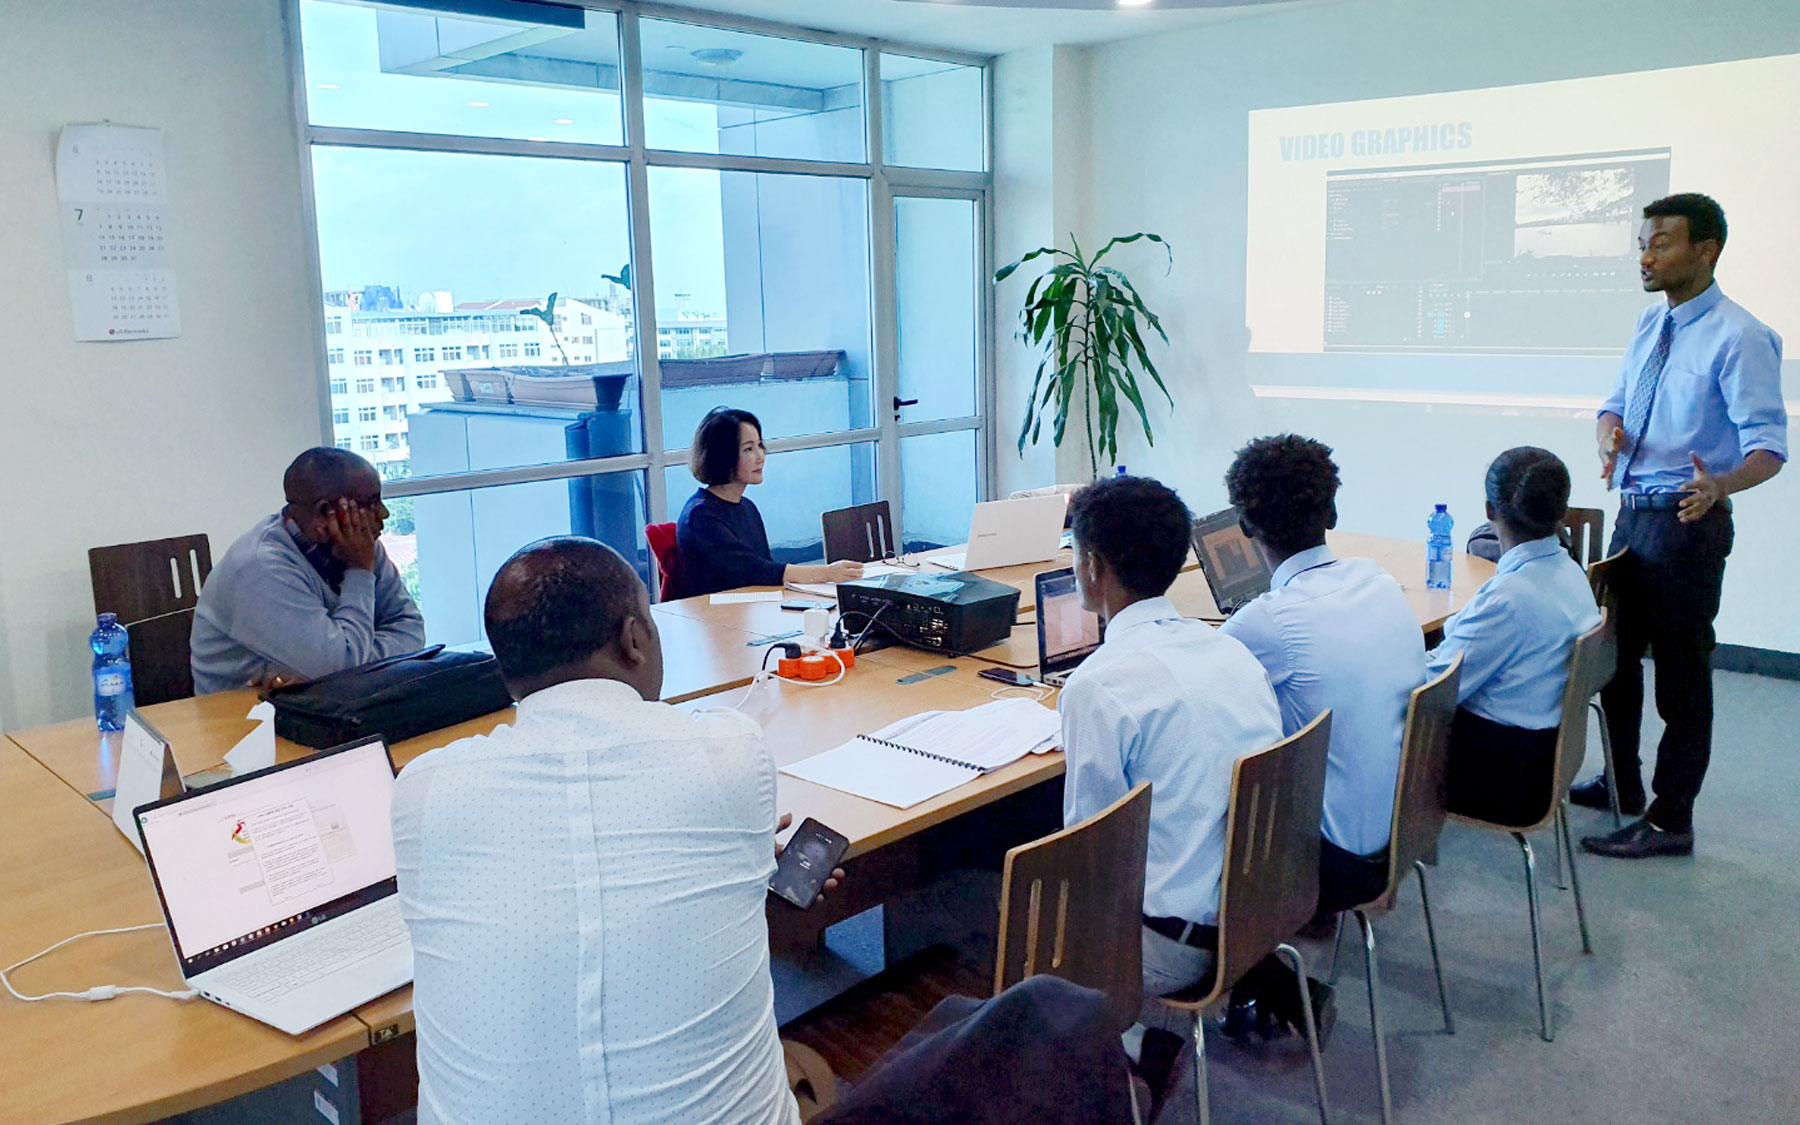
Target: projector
point(955, 613)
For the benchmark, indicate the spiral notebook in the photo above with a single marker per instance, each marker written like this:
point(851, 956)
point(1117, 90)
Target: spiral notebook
point(924, 755)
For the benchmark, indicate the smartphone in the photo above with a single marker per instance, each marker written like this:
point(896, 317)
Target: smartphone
point(801, 605)
point(1008, 676)
point(807, 861)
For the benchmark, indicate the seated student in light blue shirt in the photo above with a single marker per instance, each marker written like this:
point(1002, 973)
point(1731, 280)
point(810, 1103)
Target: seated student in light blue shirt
point(1515, 637)
point(1332, 634)
point(1164, 699)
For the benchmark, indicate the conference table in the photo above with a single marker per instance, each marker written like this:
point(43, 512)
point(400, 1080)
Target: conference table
point(64, 867)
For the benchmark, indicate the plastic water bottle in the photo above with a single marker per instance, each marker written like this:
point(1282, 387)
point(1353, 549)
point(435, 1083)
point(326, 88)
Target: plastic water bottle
point(1439, 548)
point(112, 672)
point(1119, 471)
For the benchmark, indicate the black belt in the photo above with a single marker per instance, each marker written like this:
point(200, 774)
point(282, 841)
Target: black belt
point(1181, 930)
point(1661, 501)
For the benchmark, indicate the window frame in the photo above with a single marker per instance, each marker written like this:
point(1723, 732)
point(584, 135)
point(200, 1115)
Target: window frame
point(885, 181)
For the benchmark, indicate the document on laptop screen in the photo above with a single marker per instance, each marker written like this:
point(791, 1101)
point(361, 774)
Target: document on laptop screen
point(240, 858)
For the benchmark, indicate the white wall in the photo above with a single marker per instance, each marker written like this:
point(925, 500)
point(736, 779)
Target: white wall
point(1040, 172)
point(1168, 154)
point(111, 443)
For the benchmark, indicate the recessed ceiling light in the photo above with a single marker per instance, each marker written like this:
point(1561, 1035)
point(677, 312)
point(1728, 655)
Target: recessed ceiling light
point(716, 56)
point(478, 105)
point(1135, 3)
point(328, 85)
point(563, 121)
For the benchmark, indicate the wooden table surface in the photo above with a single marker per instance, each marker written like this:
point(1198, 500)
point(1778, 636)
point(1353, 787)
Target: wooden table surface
point(64, 869)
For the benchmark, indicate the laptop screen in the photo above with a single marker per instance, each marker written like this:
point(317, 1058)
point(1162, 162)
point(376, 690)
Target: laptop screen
point(1066, 632)
point(240, 861)
point(1234, 568)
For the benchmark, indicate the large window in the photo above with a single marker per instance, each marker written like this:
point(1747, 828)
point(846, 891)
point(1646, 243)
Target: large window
point(724, 213)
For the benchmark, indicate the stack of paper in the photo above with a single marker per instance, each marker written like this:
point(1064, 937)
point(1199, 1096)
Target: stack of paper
point(933, 752)
point(828, 590)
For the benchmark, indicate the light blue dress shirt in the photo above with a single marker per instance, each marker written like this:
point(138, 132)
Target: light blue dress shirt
point(1719, 396)
point(1516, 633)
point(1168, 700)
point(1339, 634)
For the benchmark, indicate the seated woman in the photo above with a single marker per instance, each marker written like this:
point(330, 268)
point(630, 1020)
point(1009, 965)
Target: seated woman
point(1515, 637)
point(720, 535)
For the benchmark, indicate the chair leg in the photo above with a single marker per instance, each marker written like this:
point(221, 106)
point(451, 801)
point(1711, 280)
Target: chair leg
point(1437, 966)
point(1562, 817)
point(1337, 947)
point(1381, 1067)
point(1202, 1098)
point(1612, 779)
point(1312, 1027)
point(1557, 840)
point(1537, 950)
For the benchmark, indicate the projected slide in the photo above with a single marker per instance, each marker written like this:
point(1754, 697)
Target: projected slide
point(1533, 256)
point(1504, 221)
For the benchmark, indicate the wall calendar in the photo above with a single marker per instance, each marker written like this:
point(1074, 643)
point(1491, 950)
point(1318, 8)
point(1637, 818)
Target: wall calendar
point(112, 188)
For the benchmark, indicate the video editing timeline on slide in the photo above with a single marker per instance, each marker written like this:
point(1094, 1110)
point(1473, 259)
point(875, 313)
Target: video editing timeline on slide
point(1525, 256)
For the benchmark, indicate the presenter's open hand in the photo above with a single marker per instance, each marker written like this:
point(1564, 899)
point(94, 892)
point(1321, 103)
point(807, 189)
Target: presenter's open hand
point(1610, 445)
point(352, 531)
point(837, 873)
point(1702, 493)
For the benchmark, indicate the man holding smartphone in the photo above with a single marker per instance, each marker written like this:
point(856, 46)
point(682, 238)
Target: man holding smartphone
point(309, 590)
point(585, 888)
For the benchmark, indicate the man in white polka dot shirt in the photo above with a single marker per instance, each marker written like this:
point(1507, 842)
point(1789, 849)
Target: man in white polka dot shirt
point(585, 888)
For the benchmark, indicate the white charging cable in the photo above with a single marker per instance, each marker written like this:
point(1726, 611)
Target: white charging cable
point(99, 991)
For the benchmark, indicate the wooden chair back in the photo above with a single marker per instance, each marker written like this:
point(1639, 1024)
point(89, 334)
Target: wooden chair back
point(863, 533)
point(1421, 790)
point(1591, 667)
point(1602, 577)
point(153, 587)
point(1269, 887)
point(1584, 527)
point(1072, 904)
point(661, 538)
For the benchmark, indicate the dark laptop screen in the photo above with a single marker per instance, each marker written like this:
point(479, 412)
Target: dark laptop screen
point(1234, 568)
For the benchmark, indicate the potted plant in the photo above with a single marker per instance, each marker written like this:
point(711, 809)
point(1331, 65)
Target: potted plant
point(1090, 323)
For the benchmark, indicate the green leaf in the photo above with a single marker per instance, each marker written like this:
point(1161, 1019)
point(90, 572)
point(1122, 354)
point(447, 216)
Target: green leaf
point(1007, 271)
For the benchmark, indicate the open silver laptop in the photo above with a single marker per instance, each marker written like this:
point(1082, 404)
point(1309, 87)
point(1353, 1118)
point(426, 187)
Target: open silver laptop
point(1010, 532)
point(1066, 633)
point(278, 886)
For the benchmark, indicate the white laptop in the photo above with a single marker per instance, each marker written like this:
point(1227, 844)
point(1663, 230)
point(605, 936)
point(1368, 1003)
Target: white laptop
point(279, 889)
point(1010, 532)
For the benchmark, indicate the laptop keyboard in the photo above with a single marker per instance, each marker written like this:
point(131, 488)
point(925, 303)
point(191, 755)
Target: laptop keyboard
point(304, 959)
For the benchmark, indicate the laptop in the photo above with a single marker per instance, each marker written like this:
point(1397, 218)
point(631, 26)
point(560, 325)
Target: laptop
point(1233, 567)
point(278, 886)
point(1010, 532)
point(1066, 633)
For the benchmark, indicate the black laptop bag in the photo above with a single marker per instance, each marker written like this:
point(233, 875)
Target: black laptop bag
point(398, 698)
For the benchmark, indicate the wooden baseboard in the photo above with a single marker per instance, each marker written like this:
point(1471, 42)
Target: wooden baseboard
point(1757, 661)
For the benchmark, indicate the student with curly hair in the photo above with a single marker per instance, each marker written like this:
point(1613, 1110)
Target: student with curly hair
point(1515, 636)
point(1333, 634)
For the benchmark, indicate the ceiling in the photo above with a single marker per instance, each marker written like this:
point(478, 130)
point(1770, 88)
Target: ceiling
point(994, 27)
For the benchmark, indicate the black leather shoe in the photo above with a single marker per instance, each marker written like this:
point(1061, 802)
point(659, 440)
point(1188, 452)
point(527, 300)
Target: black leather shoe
point(1241, 1023)
point(1591, 794)
point(1639, 840)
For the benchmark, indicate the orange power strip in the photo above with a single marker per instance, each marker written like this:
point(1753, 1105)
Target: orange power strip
point(814, 665)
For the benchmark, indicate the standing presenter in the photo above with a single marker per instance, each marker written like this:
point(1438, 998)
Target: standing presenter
point(1695, 415)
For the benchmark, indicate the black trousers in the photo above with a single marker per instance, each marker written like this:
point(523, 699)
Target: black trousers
point(1345, 880)
point(1498, 773)
point(1668, 587)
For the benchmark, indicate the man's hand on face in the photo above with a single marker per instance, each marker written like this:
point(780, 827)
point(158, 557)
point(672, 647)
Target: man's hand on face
point(352, 531)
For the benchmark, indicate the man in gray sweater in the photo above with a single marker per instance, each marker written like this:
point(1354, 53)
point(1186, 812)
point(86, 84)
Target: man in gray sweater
point(307, 591)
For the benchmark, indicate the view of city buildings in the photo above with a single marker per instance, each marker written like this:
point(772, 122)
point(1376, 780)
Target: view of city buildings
point(388, 357)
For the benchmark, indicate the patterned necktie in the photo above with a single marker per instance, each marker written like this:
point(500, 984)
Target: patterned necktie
point(1643, 395)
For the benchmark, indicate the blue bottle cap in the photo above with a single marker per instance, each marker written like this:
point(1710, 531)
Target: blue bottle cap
point(106, 619)
point(1441, 507)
